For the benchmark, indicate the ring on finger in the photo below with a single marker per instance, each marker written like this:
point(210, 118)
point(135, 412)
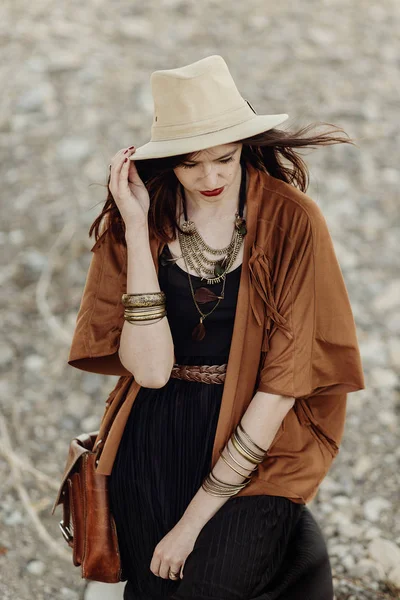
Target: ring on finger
point(173, 575)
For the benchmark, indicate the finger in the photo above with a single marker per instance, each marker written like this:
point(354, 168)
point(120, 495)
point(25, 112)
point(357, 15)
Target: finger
point(116, 156)
point(129, 174)
point(121, 170)
point(164, 570)
point(124, 160)
point(133, 175)
point(115, 161)
point(175, 568)
point(155, 566)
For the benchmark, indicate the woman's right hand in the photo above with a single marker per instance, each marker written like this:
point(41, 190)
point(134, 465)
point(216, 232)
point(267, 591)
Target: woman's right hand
point(128, 190)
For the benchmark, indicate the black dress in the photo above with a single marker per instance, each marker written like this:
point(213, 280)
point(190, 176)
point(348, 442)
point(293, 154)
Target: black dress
point(264, 547)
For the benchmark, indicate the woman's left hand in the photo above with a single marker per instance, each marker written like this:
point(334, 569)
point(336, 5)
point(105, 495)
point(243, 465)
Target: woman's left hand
point(172, 550)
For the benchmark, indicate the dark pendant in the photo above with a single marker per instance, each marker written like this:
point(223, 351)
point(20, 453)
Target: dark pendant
point(240, 225)
point(242, 229)
point(203, 295)
point(199, 332)
point(218, 268)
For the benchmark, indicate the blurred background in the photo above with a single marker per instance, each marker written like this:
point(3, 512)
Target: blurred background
point(75, 89)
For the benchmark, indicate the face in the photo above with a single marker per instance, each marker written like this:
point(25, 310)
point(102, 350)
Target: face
point(210, 169)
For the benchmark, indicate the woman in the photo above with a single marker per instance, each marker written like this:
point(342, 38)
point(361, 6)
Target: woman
point(191, 521)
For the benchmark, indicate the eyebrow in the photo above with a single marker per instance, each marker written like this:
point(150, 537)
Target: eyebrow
point(216, 159)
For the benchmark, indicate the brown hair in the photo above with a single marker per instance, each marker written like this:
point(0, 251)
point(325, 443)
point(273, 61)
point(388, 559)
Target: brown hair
point(265, 151)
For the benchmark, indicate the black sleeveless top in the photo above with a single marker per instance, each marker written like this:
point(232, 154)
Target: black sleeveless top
point(183, 315)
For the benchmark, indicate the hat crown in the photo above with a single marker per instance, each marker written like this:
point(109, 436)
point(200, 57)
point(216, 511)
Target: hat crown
point(198, 106)
point(194, 94)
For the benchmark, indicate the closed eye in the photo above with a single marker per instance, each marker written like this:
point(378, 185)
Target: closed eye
point(225, 160)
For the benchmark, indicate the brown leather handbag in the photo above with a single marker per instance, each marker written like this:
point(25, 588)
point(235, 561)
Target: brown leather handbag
point(88, 525)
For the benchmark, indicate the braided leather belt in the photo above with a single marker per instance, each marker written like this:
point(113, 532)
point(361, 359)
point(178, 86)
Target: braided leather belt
point(203, 373)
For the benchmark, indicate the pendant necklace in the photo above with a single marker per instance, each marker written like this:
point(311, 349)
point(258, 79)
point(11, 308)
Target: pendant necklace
point(193, 247)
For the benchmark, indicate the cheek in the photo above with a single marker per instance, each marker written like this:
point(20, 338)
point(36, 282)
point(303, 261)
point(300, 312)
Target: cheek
point(187, 177)
point(184, 178)
point(232, 172)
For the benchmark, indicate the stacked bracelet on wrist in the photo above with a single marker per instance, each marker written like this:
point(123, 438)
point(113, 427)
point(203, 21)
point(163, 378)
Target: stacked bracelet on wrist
point(144, 307)
point(215, 486)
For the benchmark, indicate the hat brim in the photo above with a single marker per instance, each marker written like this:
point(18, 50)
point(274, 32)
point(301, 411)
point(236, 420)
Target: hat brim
point(248, 128)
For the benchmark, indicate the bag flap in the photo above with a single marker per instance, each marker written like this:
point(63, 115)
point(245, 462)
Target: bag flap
point(82, 443)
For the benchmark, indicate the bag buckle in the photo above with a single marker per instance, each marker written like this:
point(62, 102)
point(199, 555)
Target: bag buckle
point(66, 532)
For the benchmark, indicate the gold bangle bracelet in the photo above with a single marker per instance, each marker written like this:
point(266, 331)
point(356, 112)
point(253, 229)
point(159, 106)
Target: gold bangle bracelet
point(257, 457)
point(249, 438)
point(218, 494)
point(233, 468)
point(158, 306)
point(144, 322)
point(245, 455)
point(245, 446)
point(223, 491)
point(237, 462)
point(226, 484)
point(207, 485)
point(133, 319)
point(144, 299)
point(142, 314)
point(144, 308)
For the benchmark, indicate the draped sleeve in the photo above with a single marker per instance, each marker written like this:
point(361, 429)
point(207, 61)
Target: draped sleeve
point(100, 317)
point(310, 344)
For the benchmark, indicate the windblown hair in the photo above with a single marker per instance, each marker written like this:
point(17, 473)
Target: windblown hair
point(265, 151)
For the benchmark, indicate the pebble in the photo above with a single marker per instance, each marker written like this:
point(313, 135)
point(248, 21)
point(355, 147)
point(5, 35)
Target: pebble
point(368, 568)
point(36, 567)
point(104, 591)
point(34, 362)
point(383, 377)
point(394, 352)
point(36, 98)
point(394, 576)
point(6, 354)
point(73, 149)
point(77, 404)
point(90, 423)
point(389, 298)
point(385, 552)
point(362, 466)
point(13, 518)
point(374, 507)
point(68, 594)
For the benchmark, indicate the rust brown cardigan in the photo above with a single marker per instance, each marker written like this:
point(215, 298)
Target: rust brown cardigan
point(294, 335)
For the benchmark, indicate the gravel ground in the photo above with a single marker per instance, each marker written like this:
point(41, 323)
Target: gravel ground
point(75, 89)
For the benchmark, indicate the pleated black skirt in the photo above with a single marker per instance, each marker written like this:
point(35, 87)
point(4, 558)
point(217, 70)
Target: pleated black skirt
point(256, 547)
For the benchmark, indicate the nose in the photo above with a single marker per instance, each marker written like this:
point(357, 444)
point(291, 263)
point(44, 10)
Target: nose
point(210, 179)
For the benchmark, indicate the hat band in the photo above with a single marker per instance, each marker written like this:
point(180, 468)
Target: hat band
point(162, 133)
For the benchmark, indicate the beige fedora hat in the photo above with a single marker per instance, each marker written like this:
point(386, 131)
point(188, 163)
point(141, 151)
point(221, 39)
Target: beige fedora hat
point(198, 106)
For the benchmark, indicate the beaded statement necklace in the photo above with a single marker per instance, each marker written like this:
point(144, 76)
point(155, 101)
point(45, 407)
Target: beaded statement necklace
point(193, 246)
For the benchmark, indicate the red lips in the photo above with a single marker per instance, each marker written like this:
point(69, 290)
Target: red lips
point(212, 192)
